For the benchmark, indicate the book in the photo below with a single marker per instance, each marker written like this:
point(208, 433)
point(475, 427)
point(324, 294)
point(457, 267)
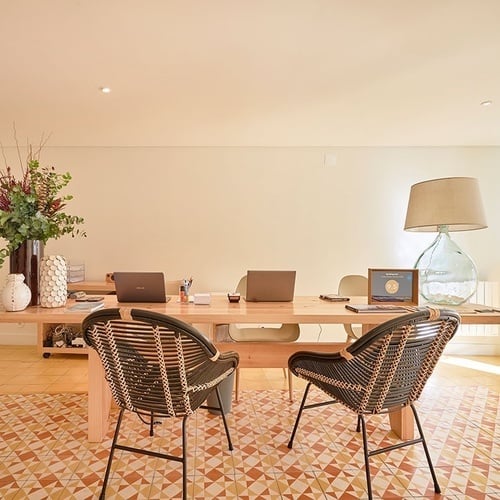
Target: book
point(85, 307)
point(375, 308)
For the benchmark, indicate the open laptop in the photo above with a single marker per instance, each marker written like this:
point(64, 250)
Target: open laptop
point(270, 286)
point(140, 287)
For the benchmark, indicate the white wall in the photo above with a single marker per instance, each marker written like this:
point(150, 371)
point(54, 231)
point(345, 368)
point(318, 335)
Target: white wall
point(213, 213)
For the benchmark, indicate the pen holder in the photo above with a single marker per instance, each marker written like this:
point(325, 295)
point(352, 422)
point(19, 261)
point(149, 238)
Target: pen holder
point(186, 286)
point(183, 296)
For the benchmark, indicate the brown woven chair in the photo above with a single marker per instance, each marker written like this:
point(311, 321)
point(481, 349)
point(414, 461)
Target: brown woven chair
point(383, 371)
point(157, 367)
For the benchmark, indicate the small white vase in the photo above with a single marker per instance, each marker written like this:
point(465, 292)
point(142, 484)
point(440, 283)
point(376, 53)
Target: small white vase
point(16, 295)
point(53, 281)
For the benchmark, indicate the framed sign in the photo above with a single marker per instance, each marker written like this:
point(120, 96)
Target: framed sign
point(393, 286)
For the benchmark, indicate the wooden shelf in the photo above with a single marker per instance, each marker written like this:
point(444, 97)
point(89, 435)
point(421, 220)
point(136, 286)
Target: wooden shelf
point(43, 332)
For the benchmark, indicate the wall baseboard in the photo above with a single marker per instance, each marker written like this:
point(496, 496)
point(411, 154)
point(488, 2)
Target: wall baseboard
point(24, 338)
point(18, 334)
point(474, 346)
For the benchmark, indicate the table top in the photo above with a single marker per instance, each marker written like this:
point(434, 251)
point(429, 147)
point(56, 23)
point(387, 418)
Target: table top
point(301, 310)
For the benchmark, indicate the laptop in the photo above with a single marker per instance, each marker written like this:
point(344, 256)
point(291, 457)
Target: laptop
point(270, 286)
point(140, 287)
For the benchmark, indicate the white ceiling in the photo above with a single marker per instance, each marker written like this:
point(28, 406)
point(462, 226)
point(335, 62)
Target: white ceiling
point(250, 72)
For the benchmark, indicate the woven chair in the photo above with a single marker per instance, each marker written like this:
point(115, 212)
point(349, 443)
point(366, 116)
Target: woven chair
point(383, 371)
point(157, 367)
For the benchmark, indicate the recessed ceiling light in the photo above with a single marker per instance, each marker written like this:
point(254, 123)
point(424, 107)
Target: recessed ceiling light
point(105, 90)
point(486, 103)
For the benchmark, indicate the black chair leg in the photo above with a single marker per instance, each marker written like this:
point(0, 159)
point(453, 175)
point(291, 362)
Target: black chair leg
point(367, 459)
point(358, 426)
point(184, 460)
point(292, 437)
point(111, 453)
point(437, 489)
point(223, 415)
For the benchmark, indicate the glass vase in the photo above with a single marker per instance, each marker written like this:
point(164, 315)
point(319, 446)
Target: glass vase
point(447, 275)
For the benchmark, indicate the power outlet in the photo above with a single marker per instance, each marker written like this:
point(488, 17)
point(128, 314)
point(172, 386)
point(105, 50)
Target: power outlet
point(330, 160)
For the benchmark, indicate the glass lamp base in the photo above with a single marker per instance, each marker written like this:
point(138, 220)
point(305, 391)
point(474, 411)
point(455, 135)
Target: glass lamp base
point(447, 274)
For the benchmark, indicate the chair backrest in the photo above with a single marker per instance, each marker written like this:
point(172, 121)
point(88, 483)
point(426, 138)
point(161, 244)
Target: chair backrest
point(172, 287)
point(388, 366)
point(353, 284)
point(288, 332)
point(242, 286)
point(154, 363)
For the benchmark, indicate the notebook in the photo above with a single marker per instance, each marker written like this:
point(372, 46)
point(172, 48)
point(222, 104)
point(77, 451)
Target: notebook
point(270, 286)
point(140, 287)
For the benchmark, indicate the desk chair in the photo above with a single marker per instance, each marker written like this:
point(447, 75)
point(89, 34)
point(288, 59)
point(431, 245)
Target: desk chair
point(353, 285)
point(383, 371)
point(157, 367)
point(284, 333)
point(172, 287)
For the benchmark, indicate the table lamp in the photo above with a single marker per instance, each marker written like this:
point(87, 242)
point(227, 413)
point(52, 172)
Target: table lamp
point(447, 275)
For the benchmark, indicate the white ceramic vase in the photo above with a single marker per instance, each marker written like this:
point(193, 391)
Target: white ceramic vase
point(53, 281)
point(17, 294)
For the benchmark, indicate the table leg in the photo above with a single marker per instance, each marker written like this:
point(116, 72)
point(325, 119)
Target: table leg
point(99, 400)
point(402, 423)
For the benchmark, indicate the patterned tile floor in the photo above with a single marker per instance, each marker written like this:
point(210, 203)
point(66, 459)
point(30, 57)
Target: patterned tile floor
point(44, 453)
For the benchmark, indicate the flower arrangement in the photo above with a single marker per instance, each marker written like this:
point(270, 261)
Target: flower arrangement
point(31, 207)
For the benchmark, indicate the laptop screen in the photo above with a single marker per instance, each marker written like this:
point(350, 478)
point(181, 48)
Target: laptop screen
point(270, 286)
point(140, 287)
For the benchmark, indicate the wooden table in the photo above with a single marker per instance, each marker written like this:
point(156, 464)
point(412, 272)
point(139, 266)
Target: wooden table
point(220, 311)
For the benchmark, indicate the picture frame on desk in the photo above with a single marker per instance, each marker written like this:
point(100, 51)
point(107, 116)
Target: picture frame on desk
point(393, 286)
